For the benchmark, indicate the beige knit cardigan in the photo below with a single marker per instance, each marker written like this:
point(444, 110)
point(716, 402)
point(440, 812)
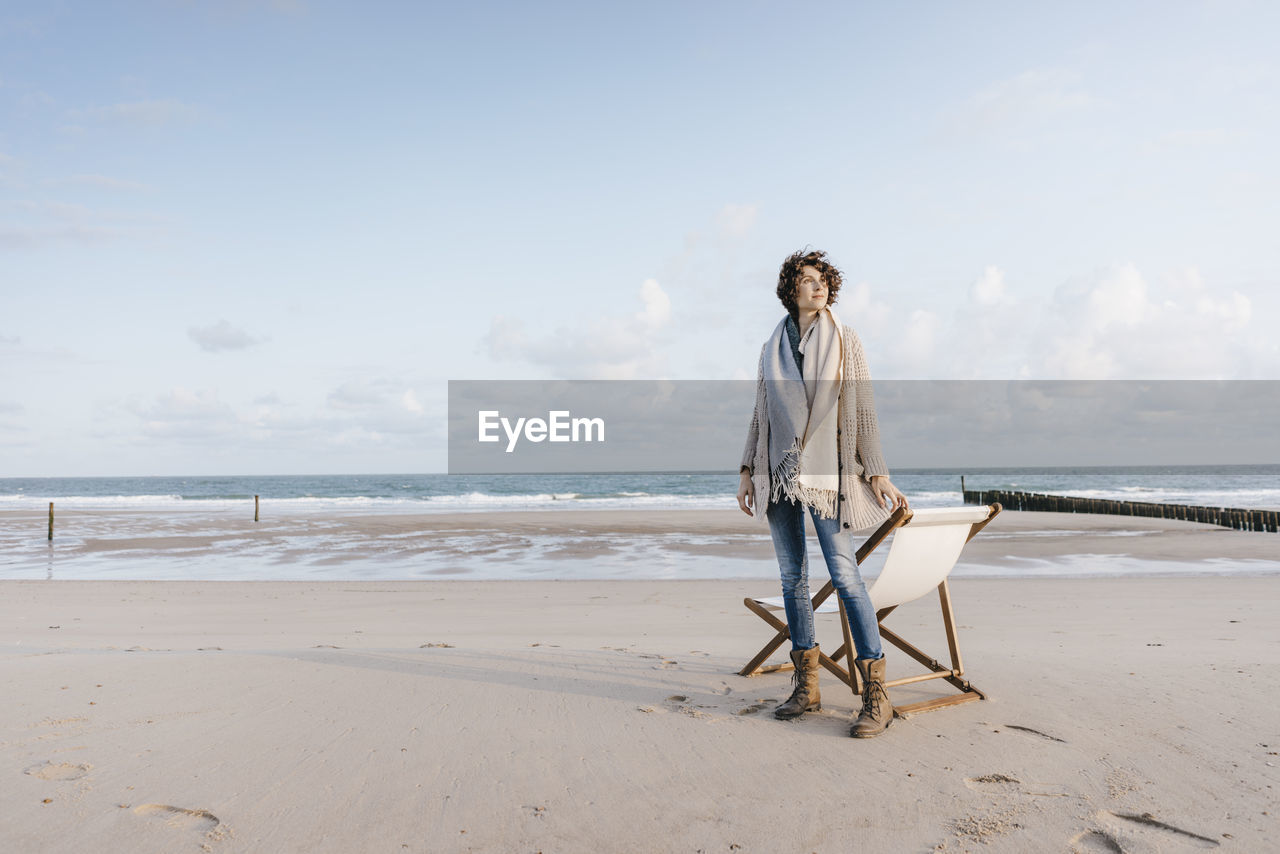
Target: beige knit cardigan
point(858, 440)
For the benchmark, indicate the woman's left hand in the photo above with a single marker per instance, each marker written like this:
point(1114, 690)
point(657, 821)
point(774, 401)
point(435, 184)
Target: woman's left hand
point(882, 488)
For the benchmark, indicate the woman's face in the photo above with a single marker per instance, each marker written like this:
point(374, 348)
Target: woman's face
point(811, 290)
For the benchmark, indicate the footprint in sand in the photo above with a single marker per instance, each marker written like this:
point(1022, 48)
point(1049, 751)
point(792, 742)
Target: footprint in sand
point(201, 821)
point(58, 771)
point(1147, 826)
point(680, 703)
point(1120, 784)
point(984, 827)
point(1003, 784)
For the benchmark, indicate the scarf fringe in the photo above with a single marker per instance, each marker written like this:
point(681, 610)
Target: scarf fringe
point(786, 483)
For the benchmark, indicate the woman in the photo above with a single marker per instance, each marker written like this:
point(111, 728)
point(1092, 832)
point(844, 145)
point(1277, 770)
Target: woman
point(814, 444)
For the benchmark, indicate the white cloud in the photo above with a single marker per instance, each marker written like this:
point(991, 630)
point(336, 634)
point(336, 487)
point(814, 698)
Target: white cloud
point(1119, 298)
point(1114, 323)
point(383, 404)
point(221, 336)
point(597, 347)
point(1235, 311)
point(856, 307)
point(1120, 326)
point(410, 402)
point(182, 413)
point(1073, 354)
point(370, 407)
point(988, 289)
point(657, 305)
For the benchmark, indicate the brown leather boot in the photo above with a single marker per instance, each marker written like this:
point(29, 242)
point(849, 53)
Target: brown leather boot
point(877, 711)
point(805, 697)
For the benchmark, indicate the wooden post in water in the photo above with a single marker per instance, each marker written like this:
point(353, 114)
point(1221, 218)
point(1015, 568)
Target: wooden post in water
point(51, 521)
point(255, 508)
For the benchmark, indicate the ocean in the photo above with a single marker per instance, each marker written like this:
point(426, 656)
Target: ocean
point(1252, 486)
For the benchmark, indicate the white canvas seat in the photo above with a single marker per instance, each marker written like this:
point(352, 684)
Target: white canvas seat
point(925, 547)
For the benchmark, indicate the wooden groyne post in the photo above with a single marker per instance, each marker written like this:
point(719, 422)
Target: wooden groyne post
point(1227, 517)
point(255, 508)
point(51, 521)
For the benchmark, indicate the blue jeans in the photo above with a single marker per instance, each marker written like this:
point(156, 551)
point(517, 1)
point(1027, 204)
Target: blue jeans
point(786, 522)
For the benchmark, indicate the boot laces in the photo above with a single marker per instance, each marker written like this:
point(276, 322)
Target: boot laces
point(872, 694)
point(798, 691)
point(799, 687)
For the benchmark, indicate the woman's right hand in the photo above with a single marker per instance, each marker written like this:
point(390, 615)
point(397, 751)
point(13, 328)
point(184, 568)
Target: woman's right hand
point(746, 493)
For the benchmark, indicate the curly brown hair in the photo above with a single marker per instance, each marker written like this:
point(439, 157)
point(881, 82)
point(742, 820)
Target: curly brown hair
point(789, 276)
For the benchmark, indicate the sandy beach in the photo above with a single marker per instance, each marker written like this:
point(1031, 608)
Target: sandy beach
point(1132, 714)
point(1124, 715)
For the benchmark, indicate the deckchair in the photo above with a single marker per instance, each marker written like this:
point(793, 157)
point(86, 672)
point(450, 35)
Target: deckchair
point(926, 545)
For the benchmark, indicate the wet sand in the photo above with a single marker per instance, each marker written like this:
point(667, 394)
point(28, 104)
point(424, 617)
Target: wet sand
point(453, 543)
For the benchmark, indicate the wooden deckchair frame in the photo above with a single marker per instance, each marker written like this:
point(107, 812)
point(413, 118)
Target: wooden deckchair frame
point(848, 674)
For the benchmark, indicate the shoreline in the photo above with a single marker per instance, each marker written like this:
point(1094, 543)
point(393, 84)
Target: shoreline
point(573, 544)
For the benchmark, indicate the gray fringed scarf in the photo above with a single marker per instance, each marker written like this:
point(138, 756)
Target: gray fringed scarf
point(803, 411)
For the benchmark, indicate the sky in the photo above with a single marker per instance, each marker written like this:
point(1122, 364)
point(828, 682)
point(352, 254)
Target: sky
point(248, 237)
